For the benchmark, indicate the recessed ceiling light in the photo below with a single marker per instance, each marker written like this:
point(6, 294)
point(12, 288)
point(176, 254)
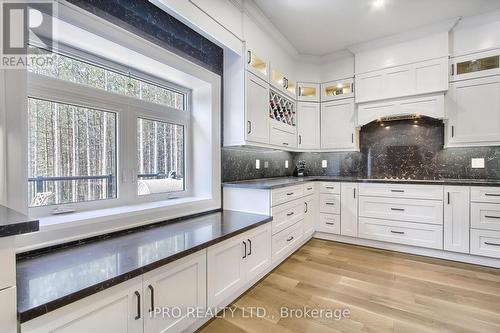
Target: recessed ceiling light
point(378, 3)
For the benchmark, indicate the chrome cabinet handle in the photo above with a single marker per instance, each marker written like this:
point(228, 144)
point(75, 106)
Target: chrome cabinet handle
point(330, 203)
point(306, 207)
point(152, 290)
point(354, 193)
point(492, 195)
point(300, 139)
point(448, 198)
point(329, 187)
point(245, 250)
point(398, 191)
point(249, 127)
point(491, 217)
point(250, 242)
point(138, 305)
point(309, 188)
point(290, 193)
point(285, 143)
point(398, 209)
point(330, 223)
point(397, 232)
point(249, 57)
point(290, 214)
point(452, 131)
point(493, 244)
point(289, 239)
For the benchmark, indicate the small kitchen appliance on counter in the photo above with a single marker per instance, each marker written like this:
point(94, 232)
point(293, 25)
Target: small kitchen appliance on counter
point(299, 170)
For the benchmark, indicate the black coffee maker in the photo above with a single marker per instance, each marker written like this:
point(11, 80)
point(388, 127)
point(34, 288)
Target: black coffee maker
point(300, 168)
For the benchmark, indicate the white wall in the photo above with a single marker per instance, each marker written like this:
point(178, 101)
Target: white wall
point(337, 66)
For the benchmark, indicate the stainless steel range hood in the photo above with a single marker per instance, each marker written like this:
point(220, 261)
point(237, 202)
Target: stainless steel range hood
point(402, 108)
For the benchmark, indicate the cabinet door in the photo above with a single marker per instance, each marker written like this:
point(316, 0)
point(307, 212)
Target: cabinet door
point(258, 257)
point(349, 209)
point(310, 213)
point(308, 123)
point(174, 287)
point(8, 313)
point(117, 309)
point(308, 92)
point(456, 219)
point(397, 82)
point(225, 270)
point(338, 123)
point(474, 112)
point(369, 86)
point(257, 104)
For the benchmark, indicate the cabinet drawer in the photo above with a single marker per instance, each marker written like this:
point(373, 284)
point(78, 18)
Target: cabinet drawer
point(329, 203)
point(329, 188)
point(485, 194)
point(8, 260)
point(284, 242)
point(287, 194)
point(408, 233)
point(485, 243)
point(287, 214)
point(329, 223)
point(432, 192)
point(283, 138)
point(309, 188)
point(411, 210)
point(485, 216)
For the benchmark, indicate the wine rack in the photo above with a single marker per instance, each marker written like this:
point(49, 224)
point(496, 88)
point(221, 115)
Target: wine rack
point(281, 108)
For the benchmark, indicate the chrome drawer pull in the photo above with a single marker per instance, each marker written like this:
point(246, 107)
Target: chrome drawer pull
point(330, 187)
point(291, 193)
point(289, 239)
point(492, 217)
point(398, 232)
point(398, 209)
point(309, 188)
point(492, 195)
point(329, 203)
point(398, 191)
point(494, 244)
point(330, 223)
point(290, 214)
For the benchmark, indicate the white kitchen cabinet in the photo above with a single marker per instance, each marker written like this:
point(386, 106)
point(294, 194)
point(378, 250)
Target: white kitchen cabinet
point(308, 125)
point(339, 89)
point(476, 65)
point(235, 262)
point(308, 92)
point(456, 219)
point(485, 243)
point(117, 309)
point(8, 314)
point(257, 109)
point(474, 112)
point(257, 65)
point(349, 209)
point(282, 81)
point(338, 125)
point(176, 286)
point(413, 79)
point(310, 214)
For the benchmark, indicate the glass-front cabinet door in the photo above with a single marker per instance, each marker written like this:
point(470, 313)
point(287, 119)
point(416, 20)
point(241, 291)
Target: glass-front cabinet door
point(308, 92)
point(475, 65)
point(334, 90)
point(257, 65)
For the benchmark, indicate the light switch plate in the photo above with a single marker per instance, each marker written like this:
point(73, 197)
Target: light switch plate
point(324, 164)
point(257, 164)
point(286, 164)
point(477, 163)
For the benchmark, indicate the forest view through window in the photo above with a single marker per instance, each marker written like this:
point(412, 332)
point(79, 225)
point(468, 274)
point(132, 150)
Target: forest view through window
point(160, 157)
point(72, 153)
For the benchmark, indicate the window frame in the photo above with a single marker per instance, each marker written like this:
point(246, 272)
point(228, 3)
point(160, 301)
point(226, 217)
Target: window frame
point(127, 109)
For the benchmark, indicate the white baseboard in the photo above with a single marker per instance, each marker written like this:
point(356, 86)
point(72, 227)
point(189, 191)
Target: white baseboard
point(440, 254)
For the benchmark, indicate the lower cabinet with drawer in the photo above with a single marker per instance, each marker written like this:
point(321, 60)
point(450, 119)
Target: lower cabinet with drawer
point(485, 221)
point(485, 243)
point(329, 223)
point(408, 233)
point(284, 242)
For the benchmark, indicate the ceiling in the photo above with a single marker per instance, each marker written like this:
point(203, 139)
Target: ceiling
point(321, 27)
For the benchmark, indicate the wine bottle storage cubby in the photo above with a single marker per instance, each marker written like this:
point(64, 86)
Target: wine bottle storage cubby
point(281, 108)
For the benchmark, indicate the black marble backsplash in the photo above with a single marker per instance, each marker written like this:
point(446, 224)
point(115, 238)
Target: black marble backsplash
point(404, 148)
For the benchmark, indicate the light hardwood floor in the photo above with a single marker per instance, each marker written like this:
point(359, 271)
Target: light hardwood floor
point(384, 292)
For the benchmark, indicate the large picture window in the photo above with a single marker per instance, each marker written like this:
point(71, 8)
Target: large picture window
point(99, 133)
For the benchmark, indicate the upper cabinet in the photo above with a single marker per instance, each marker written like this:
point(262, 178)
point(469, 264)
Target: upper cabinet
point(338, 125)
point(308, 92)
point(257, 65)
point(282, 82)
point(414, 79)
point(475, 65)
point(283, 120)
point(340, 89)
point(257, 92)
point(308, 123)
point(473, 110)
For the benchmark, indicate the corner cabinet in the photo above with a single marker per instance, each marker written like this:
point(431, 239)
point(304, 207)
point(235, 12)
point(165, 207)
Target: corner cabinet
point(235, 263)
point(338, 125)
point(308, 125)
point(473, 112)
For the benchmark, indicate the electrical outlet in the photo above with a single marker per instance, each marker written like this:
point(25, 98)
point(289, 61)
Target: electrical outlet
point(286, 164)
point(257, 164)
point(324, 164)
point(477, 163)
point(266, 164)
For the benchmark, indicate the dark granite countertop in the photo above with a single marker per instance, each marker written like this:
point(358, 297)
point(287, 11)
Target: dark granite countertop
point(14, 223)
point(272, 183)
point(49, 281)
